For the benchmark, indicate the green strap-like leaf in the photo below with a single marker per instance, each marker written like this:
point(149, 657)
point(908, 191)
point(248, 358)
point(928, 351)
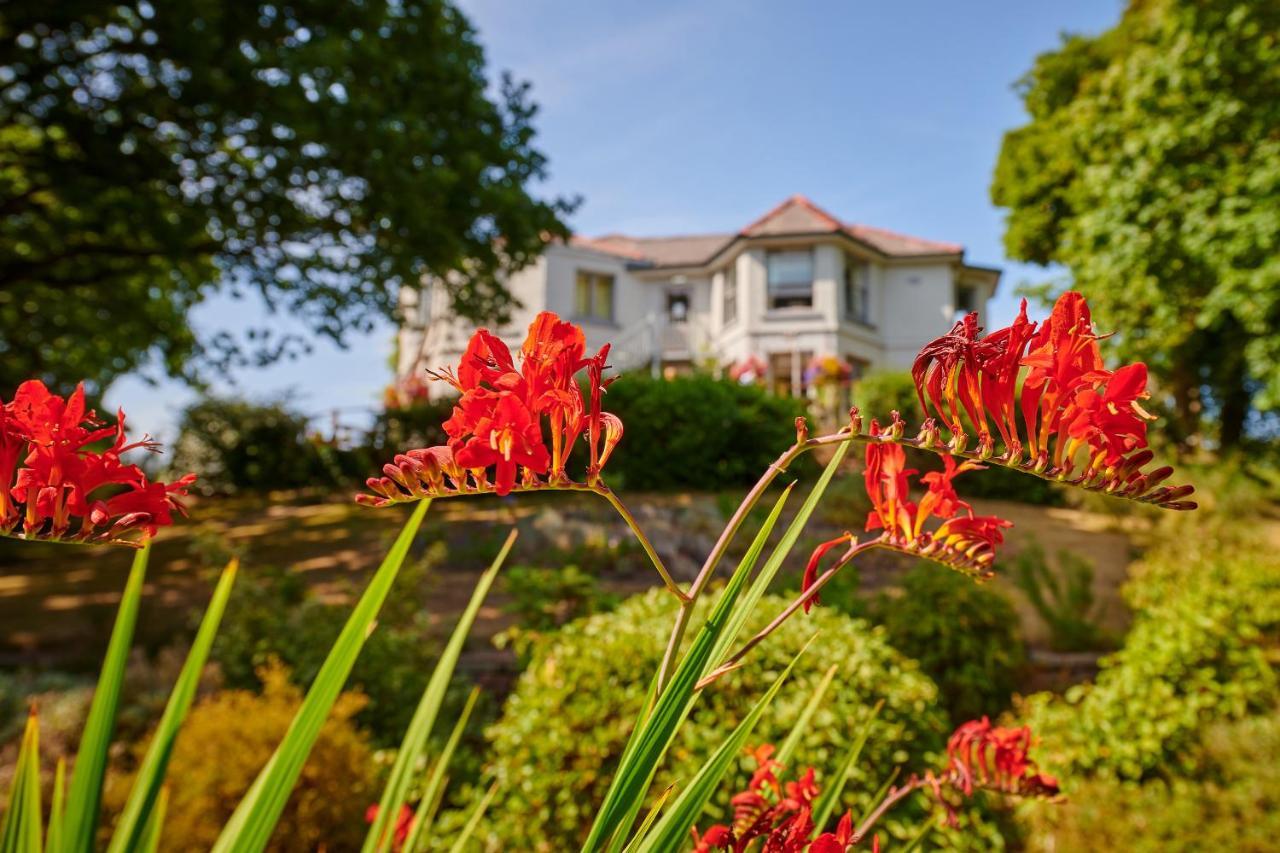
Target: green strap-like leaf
point(673, 829)
point(85, 795)
point(631, 781)
point(57, 809)
point(473, 822)
point(834, 788)
point(434, 789)
point(21, 831)
point(647, 823)
point(253, 821)
point(149, 842)
point(789, 745)
point(396, 792)
point(150, 779)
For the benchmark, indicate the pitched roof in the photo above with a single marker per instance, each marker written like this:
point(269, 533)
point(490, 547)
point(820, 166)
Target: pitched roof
point(797, 215)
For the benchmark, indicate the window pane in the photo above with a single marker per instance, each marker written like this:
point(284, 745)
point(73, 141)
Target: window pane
point(790, 279)
point(602, 306)
point(730, 295)
point(582, 296)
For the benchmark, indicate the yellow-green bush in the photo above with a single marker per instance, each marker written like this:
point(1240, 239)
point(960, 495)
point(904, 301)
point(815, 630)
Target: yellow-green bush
point(564, 726)
point(1232, 803)
point(226, 740)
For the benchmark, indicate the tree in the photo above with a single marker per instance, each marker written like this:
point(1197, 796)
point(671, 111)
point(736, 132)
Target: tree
point(319, 154)
point(1151, 170)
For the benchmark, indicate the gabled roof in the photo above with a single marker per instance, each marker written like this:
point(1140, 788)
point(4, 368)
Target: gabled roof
point(794, 217)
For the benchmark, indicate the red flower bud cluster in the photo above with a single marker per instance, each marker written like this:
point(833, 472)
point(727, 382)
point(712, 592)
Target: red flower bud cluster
point(404, 824)
point(55, 486)
point(496, 433)
point(993, 758)
point(779, 813)
point(1052, 401)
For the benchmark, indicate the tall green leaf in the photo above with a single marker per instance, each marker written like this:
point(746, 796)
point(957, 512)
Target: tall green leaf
point(395, 793)
point(21, 831)
point(57, 809)
point(253, 821)
point(149, 841)
point(84, 798)
point(673, 829)
point(833, 788)
point(434, 788)
point(631, 780)
point(779, 555)
point(649, 820)
point(146, 787)
point(473, 822)
point(801, 725)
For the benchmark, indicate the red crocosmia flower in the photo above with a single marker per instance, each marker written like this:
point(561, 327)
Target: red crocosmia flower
point(840, 840)
point(1069, 404)
point(964, 542)
point(496, 432)
point(980, 755)
point(811, 570)
point(718, 837)
point(404, 823)
point(54, 485)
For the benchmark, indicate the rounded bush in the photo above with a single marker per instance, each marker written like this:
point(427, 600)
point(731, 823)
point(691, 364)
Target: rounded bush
point(965, 636)
point(557, 743)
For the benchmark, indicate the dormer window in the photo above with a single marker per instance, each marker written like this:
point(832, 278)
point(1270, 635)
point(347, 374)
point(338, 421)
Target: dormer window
point(790, 279)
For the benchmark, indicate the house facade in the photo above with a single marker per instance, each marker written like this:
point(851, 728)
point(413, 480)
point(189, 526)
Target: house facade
point(795, 284)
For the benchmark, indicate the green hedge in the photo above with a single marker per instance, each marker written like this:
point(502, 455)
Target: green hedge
point(696, 432)
point(562, 729)
point(1206, 614)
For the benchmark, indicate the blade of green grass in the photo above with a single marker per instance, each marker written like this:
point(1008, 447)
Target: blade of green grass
point(21, 830)
point(396, 791)
point(832, 790)
point(150, 840)
point(84, 798)
point(919, 838)
point(647, 823)
point(57, 809)
point(146, 788)
point(635, 772)
point(673, 829)
point(435, 781)
point(789, 745)
point(473, 822)
point(253, 821)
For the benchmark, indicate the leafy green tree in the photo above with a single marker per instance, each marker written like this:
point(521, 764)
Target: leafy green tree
point(319, 154)
point(1151, 169)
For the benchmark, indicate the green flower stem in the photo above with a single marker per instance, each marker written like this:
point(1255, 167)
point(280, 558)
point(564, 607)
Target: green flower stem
point(614, 501)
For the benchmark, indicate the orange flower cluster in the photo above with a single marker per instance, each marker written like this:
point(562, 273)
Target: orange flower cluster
point(993, 758)
point(496, 433)
point(54, 486)
point(1051, 400)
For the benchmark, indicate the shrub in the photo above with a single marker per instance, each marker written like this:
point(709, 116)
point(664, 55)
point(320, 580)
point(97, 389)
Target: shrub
point(696, 432)
point(226, 740)
point(241, 445)
point(1195, 654)
point(561, 732)
point(546, 598)
point(965, 636)
point(1232, 802)
point(1064, 599)
point(419, 425)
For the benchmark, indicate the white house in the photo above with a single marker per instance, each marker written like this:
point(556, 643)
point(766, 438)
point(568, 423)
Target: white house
point(795, 283)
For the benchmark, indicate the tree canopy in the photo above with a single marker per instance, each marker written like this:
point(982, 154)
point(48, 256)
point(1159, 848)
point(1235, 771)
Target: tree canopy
point(1150, 168)
point(319, 154)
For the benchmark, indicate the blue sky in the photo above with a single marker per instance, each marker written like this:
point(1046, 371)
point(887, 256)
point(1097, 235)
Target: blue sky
point(676, 117)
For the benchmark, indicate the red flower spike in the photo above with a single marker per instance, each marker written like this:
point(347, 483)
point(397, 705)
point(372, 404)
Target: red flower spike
point(983, 756)
point(53, 486)
point(404, 824)
point(1073, 419)
point(496, 432)
point(965, 542)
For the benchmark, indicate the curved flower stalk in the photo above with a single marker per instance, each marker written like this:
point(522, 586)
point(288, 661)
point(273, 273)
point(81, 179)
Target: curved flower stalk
point(979, 757)
point(55, 487)
point(1073, 420)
